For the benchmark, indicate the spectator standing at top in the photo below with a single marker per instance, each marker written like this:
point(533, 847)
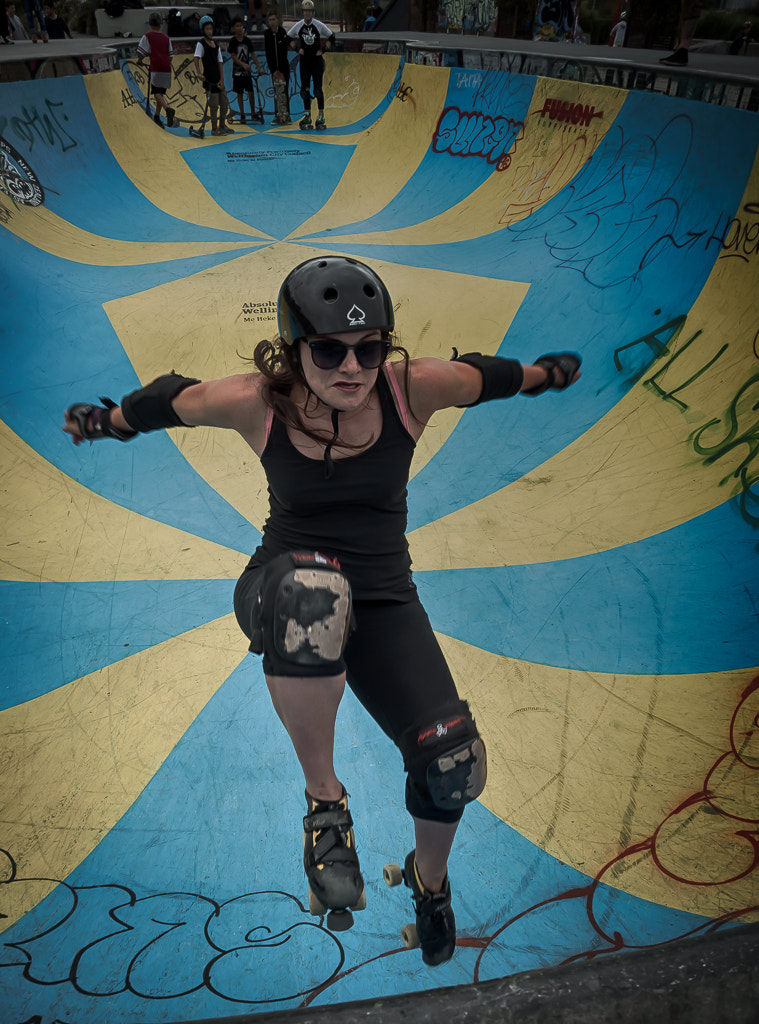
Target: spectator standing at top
point(240, 49)
point(690, 11)
point(307, 35)
point(618, 33)
point(742, 40)
point(55, 26)
point(157, 45)
point(277, 49)
point(32, 10)
point(15, 24)
point(209, 68)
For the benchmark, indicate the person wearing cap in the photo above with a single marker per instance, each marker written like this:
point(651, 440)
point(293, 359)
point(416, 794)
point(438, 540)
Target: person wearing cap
point(334, 412)
point(307, 35)
point(209, 68)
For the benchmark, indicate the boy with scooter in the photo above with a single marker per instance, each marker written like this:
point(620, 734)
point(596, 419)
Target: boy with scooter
point(209, 68)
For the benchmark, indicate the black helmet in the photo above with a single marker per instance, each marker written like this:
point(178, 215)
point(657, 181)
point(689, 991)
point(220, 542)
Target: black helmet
point(330, 295)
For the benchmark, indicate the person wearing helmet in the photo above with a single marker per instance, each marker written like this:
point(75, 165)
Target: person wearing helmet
point(209, 68)
point(334, 410)
point(307, 35)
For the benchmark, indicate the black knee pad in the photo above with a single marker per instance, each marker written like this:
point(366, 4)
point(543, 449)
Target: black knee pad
point(447, 758)
point(305, 615)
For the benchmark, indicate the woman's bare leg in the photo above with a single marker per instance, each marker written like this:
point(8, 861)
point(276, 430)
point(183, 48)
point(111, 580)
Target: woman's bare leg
point(307, 707)
point(434, 840)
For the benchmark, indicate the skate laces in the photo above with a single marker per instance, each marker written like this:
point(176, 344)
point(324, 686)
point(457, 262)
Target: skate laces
point(329, 823)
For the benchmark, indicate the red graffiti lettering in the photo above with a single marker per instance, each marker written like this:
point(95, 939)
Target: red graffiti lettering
point(567, 112)
point(465, 133)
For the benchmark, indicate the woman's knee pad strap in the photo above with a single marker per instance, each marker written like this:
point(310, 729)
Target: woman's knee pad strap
point(448, 756)
point(305, 614)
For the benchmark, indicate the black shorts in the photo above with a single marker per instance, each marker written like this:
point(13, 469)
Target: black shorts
point(394, 666)
point(242, 83)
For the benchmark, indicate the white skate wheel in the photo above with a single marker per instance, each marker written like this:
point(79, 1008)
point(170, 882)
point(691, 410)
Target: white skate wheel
point(410, 936)
point(360, 903)
point(392, 874)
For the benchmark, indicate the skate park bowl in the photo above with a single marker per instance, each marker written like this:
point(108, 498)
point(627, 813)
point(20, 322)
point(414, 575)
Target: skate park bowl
point(589, 559)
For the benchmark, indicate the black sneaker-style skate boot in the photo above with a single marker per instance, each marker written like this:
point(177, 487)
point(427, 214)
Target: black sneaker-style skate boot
point(435, 928)
point(331, 862)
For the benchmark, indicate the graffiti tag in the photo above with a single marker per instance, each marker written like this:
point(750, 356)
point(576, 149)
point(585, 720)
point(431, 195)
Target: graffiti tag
point(471, 133)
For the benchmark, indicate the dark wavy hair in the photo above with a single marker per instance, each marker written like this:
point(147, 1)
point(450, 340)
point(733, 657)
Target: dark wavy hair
point(279, 364)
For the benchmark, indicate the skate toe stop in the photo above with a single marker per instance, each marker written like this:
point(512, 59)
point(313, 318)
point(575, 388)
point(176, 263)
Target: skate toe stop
point(339, 920)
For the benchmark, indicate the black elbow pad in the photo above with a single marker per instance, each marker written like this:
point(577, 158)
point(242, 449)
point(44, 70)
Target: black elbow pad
point(150, 408)
point(501, 378)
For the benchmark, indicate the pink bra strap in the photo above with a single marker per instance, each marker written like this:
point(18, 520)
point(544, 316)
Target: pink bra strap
point(390, 373)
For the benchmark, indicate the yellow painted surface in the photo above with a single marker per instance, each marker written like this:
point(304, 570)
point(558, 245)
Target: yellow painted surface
point(207, 340)
point(600, 491)
point(544, 160)
point(349, 93)
point(56, 530)
point(75, 760)
point(411, 117)
point(588, 764)
point(152, 159)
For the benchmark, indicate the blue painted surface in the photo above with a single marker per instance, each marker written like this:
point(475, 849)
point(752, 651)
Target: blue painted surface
point(57, 134)
point(436, 186)
point(60, 366)
point(53, 633)
point(201, 913)
point(629, 243)
point(271, 182)
point(678, 602)
point(208, 914)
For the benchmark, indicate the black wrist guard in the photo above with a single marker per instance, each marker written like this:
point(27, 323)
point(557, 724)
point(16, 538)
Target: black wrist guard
point(150, 407)
point(501, 378)
point(568, 362)
point(94, 421)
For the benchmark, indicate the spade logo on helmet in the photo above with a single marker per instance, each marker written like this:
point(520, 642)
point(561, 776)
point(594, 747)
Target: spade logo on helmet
point(356, 316)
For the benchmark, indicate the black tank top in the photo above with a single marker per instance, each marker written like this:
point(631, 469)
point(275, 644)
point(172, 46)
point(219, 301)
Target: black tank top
point(358, 515)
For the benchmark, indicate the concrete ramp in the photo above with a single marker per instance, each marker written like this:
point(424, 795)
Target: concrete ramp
point(589, 560)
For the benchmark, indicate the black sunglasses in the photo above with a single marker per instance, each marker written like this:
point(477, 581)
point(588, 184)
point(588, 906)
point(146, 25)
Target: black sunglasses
point(329, 353)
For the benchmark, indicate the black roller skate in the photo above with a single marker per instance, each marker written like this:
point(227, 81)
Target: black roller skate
point(320, 123)
point(435, 928)
point(305, 124)
point(331, 862)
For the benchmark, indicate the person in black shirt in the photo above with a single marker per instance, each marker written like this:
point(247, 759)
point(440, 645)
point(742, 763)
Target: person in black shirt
point(240, 49)
point(306, 36)
point(328, 596)
point(209, 68)
point(55, 26)
point(277, 48)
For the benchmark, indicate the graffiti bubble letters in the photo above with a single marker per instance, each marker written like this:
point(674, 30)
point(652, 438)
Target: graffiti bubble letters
point(566, 112)
point(465, 133)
